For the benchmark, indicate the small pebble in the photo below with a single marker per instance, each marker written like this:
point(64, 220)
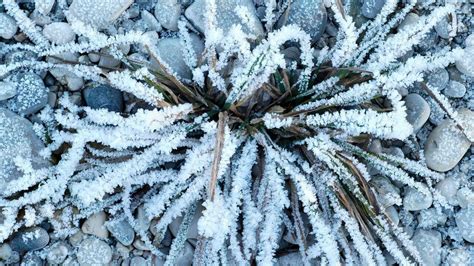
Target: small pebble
point(104, 96)
point(59, 33)
point(8, 26)
point(455, 89)
point(415, 200)
point(94, 225)
point(93, 251)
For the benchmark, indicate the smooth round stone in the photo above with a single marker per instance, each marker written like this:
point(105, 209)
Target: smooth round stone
point(171, 51)
point(168, 12)
point(74, 83)
point(457, 256)
point(309, 15)
point(44, 6)
point(32, 94)
point(59, 33)
point(465, 223)
point(455, 89)
point(94, 225)
point(93, 251)
point(465, 197)
point(448, 188)
point(104, 96)
point(32, 259)
point(17, 138)
point(371, 8)
point(428, 243)
point(414, 200)
point(465, 64)
point(138, 261)
point(7, 90)
point(99, 14)
point(418, 111)
point(446, 145)
point(122, 231)
point(392, 215)
point(438, 78)
point(226, 15)
point(57, 254)
point(150, 20)
point(30, 239)
point(8, 26)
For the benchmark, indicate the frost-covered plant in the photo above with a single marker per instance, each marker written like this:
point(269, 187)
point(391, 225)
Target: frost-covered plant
point(263, 144)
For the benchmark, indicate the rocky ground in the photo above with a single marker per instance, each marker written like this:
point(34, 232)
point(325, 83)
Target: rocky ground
point(445, 237)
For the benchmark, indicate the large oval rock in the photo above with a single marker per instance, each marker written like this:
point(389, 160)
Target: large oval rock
point(99, 14)
point(418, 111)
point(30, 239)
point(17, 138)
point(465, 223)
point(309, 15)
point(172, 52)
point(226, 15)
point(446, 145)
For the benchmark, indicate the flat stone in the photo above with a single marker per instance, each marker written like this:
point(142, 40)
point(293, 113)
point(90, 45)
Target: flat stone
point(94, 225)
point(465, 223)
point(446, 145)
point(30, 239)
point(428, 243)
point(172, 51)
point(455, 89)
point(418, 111)
point(439, 78)
point(59, 33)
point(309, 15)
point(17, 138)
point(150, 20)
point(122, 231)
point(414, 200)
point(7, 90)
point(93, 251)
point(226, 15)
point(371, 8)
point(8, 26)
point(104, 96)
point(168, 12)
point(99, 14)
point(32, 94)
point(431, 218)
point(465, 64)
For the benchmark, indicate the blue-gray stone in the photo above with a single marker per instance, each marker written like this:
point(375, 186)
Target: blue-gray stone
point(371, 8)
point(31, 94)
point(30, 239)
point(309, 15)
point(122, 231)
point(104, 96)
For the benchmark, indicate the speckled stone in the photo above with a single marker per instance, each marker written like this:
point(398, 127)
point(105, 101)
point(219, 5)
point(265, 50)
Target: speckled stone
point(309, 15)
point(30, 239)
point(99, 14)
point(446, 145)
point(93, 251)
point(31, 96)
point(226, 15)
point(428, 243)
point(104, 96)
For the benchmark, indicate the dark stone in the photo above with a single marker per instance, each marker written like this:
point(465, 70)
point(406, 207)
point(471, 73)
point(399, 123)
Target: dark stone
point(30, 239)
point(104, 96)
